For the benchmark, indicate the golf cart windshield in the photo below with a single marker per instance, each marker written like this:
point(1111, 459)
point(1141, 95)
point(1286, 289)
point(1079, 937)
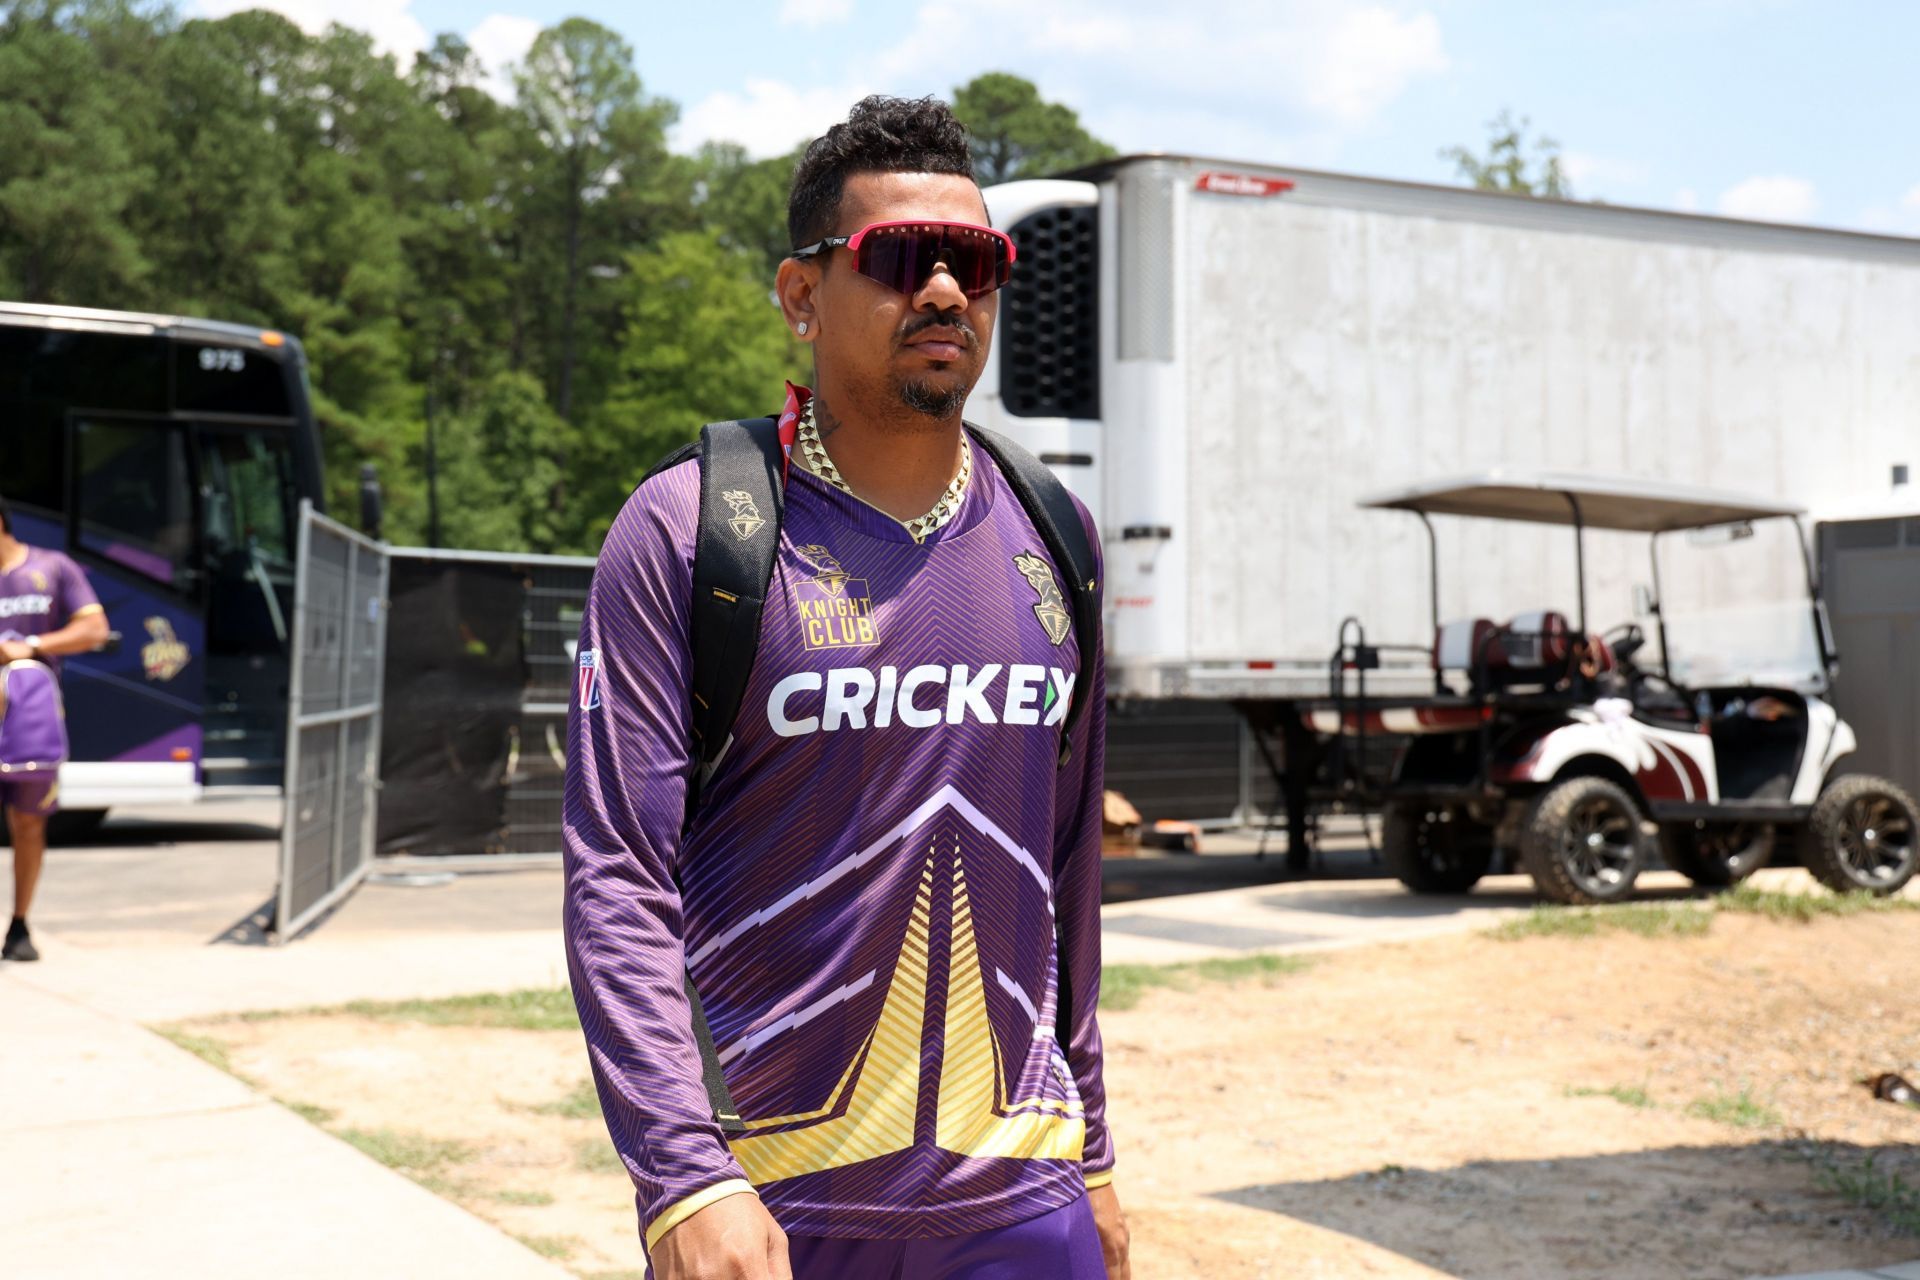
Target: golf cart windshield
point(1734, 603)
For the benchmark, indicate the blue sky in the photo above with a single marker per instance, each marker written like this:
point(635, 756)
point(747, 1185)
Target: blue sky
point(1777, 109)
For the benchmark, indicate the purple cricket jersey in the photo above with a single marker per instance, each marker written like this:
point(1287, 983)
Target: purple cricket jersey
point(47, 591)
point(866, 894)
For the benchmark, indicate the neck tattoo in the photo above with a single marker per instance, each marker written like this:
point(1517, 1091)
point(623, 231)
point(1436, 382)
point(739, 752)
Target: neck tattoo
point(813, 451)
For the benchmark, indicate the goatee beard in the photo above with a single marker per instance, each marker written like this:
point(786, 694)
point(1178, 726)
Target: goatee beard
point(932, 400)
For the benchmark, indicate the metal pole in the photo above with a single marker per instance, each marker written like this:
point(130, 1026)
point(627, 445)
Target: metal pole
point(379, 617)
point(1816, 595)
point(1660, 610)
point(343, 730)
point(433, 481)
point(1433, 595)
point(296, 691)
point(1579, 556)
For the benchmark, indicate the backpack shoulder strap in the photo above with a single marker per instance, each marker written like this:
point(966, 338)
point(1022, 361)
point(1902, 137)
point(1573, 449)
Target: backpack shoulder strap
point(741, 502)
point(1052, 510)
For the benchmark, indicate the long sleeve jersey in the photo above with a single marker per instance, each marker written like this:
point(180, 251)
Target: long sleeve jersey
point(865, 897)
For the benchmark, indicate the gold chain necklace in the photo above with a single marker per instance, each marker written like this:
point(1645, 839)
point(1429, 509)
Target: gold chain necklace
point(814, 450)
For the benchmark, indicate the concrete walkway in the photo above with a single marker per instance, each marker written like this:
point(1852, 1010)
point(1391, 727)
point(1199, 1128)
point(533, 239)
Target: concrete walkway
point(1905, 1271)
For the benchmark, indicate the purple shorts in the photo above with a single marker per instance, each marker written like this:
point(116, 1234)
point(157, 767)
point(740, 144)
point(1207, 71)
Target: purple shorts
point(36, 797)
point(1061, 1245)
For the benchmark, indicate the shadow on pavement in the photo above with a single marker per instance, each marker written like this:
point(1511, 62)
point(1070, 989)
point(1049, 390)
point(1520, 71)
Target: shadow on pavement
point(1702, 1212)
point(1132, 879)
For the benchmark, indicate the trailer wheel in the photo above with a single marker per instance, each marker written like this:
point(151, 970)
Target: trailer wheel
point(1715, 855)
point(1434, 850)
point(1861, 835)
point(1582, 842)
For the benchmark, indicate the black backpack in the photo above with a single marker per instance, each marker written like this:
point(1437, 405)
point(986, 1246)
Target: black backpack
point(741, 501)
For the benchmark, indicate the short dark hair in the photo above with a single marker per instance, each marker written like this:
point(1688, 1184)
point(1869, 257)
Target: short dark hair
point(880, 135)
point(6, 518)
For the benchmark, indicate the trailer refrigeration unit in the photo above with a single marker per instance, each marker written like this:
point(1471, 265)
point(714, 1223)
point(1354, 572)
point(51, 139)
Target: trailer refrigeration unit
point(1225, 359)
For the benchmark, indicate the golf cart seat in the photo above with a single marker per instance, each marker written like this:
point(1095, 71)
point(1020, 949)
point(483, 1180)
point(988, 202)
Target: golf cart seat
point(1532, 649)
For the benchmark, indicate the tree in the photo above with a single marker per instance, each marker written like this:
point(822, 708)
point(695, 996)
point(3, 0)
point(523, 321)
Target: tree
point(744, 201)
point(500, 467)
point(583, 97)
point(702, 340)
point(1507, 166)
point(1016, 134)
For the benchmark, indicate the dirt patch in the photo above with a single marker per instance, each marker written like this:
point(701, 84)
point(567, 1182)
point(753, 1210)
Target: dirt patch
point(1612, 1105)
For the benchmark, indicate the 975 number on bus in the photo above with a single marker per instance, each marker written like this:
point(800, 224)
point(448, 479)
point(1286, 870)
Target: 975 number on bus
point(222, 360)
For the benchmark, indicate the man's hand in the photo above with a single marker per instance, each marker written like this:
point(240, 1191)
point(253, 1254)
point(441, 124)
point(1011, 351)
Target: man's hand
point(15, 650)
point(1112, 1225)
point(734, 1238)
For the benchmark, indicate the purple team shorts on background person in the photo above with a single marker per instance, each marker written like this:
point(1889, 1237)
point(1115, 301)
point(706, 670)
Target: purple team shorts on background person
point(33, 737)
point(1061, 1245)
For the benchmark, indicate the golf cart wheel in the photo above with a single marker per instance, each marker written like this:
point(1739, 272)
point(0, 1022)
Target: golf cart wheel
point(1582, 842)
point(1716, 855)
point(1862, 836)
point(1434, 850)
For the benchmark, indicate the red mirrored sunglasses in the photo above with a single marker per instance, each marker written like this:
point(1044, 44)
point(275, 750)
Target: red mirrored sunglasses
point(903, 255)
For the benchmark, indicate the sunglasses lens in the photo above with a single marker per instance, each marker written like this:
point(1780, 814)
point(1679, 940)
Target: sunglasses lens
point(904, 258)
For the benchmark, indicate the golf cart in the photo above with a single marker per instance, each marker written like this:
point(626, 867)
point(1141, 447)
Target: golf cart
point(1576, 750)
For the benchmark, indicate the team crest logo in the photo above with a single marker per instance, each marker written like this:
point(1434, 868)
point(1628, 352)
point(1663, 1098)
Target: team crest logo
point(39, 580)
point(163, 656)
point(746, 519)
point(1052, 608)
point(836, 608)
point(588, 680)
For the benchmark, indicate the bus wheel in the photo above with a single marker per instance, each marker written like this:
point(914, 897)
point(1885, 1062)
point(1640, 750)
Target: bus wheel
point(1433, 850)
point(1582, 842)
point(1715, 855)
point(1861, 836)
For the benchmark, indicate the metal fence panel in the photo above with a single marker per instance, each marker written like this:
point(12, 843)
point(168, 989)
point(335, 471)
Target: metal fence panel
point(333, 720)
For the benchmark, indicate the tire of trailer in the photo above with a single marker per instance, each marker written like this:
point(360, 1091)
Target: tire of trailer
point(1430, 851)
point(1582, 843)
point(1717, 855)
point(1863, 834)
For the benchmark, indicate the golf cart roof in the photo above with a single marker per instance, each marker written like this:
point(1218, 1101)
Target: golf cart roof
point(1604, 502)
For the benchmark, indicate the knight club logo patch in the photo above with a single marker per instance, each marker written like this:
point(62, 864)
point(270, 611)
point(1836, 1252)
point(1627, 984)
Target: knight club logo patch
point(836, 608)
point(1051, 608)
point(746, 519)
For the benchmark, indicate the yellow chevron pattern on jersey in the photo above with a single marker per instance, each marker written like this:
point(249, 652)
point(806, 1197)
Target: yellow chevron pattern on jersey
point(975, 1116)
point(879, 1115)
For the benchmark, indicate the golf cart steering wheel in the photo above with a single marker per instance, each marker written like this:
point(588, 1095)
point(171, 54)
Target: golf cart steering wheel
point(1625, 640)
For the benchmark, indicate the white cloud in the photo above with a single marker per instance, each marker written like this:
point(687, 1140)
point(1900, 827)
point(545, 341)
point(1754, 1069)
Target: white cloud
point(1770, 198)
point(768, 117)
point(1368, 57)
point(393, 28)
point(814, 13)
point(500, 41)
point(1687, 200)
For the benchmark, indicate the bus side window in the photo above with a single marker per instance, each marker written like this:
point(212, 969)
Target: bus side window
point(132, 499)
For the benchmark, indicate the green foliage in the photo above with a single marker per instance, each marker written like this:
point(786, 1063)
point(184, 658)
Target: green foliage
point(528, 1199)
point(1861, 1180)
point(1646, 919)
point(209, 1050)
point(410, 1153)
point(1741, 1110)
point(1802, 908)
point(1123, 985)
point(1513, 162)
point(701, 339)
point(313, 1115)
point(1017, 134)
point(1627, 1095)
point(560, 1247)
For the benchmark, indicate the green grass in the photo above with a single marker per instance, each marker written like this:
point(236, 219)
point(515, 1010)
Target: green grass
point(541, 1009)
point(582, 1102)
point(1627, 1095)
point(1800, 908)
point(1741, 1110)
point(556, 1247)
point(1123, 985)
point(1646, 919)
point(1861, 1182)
point(411, 1153)
point(209, 1050)
point(596, 1155)
point(533, 1199)
point(307, 1111)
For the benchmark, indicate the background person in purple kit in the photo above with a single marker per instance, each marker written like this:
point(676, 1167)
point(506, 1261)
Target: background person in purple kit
point(47, 610)
point(864, 896)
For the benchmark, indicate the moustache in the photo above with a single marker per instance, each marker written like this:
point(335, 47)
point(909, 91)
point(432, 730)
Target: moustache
point(920, 324)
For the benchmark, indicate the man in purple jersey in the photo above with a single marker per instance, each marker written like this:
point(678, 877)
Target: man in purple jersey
point(865, 896)
point(47, 610)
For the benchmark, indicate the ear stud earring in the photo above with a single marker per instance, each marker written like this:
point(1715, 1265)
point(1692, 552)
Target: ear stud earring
point(803, 328)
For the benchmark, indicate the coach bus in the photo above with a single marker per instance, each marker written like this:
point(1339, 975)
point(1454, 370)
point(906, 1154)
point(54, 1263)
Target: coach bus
point(168, 456)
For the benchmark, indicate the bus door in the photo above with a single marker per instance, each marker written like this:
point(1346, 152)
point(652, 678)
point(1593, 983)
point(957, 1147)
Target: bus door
point(134, 710)
point(248, 497)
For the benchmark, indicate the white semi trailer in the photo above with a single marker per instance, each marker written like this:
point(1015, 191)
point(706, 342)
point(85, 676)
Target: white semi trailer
point(1222, 358)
